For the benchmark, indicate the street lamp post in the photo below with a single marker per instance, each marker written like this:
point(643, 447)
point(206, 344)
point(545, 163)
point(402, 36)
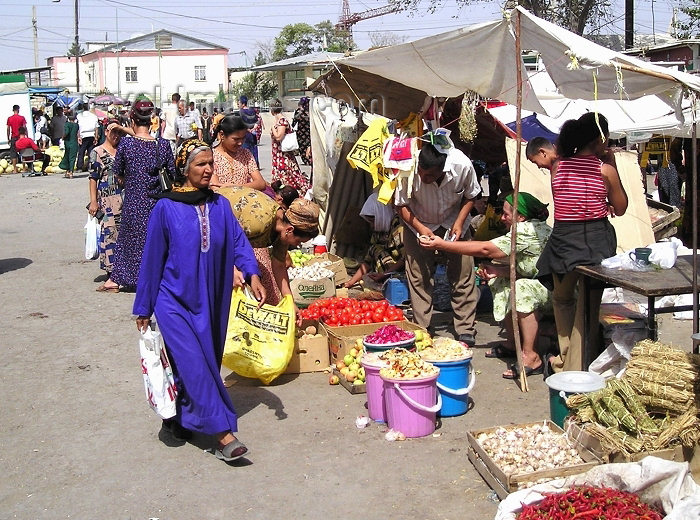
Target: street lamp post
point(76, 47)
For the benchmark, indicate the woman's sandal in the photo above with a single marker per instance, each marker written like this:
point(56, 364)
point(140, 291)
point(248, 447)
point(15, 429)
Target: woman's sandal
point(529, 371)
point(103, 288)
point(501, 352)
point(234, 450)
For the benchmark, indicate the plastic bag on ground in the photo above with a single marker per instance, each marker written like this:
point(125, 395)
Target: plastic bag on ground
point(662, 483)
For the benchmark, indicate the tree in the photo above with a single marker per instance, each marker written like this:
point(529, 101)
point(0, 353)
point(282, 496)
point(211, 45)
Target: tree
point(72, 51)
point(690, 26)
point(257, 86)
point(301, 38)
point(574, 15)
point(386, 39)
point(294, 40)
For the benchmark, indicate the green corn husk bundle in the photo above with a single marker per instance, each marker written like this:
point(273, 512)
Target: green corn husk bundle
point(632, 444)
point(585, 413)
point(617, 408)
point(609, 442)
point(644, 423)
point(604, 416)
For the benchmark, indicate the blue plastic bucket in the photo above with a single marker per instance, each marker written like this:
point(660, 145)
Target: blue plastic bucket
point(454, 383)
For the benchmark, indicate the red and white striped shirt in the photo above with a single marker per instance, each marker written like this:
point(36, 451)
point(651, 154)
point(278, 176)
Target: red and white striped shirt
point(579, 190)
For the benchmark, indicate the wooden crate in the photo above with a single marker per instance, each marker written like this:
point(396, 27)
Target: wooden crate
point(663, 227)
point(504, 484)
point(353, 389)
point(580, 436)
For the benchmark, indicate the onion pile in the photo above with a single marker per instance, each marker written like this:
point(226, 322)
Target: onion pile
point(526, 449)
point(388, 335)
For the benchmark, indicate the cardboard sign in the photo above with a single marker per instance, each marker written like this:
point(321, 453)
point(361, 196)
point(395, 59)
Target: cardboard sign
point(305, 292)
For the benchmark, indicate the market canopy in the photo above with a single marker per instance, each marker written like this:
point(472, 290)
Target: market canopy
point(482, 58)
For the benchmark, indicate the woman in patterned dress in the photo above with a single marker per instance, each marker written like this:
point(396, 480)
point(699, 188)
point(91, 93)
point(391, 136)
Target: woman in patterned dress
point(233, 164)
point(302, 123)
point(137, 162)
point(284, 164)
point(106, 195)
point(532, 298)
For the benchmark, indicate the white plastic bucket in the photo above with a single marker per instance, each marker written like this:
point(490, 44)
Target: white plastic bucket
point(563, 384)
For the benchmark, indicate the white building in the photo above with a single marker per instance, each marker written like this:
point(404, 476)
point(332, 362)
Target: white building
point(156, 64)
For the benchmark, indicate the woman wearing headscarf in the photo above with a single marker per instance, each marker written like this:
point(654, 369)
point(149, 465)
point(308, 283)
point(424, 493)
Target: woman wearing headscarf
point(532, 298)
point(269, 226)
point(106, 195)
point(284, 164)
point(136, 164)
point(302, 123)
point(385, 253)
point(586, 188)
point(70, 143)
point(186, 279)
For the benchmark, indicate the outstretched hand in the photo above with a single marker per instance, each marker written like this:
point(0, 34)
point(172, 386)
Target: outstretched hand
point(431, 242)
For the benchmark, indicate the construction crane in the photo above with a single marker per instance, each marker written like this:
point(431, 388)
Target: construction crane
point(348, 19)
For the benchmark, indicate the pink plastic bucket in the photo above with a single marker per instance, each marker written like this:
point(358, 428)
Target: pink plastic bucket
point(375, 392)
point(411, 405)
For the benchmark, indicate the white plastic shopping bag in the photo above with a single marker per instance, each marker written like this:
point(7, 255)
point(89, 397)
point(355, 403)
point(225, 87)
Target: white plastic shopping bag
point(289, 142)
point(157, 374)
point(92, 237)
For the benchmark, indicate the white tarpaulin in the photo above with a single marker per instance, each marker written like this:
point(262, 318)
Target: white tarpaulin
point(482, 58)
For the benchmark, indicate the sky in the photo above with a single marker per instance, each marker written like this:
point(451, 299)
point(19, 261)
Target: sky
point(243, 25)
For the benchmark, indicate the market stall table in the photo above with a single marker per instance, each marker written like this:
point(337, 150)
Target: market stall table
point(652, 284)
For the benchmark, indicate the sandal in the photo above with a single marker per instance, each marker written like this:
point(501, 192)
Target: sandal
point(529, 371)
point(234, 450)
point(501, 352)
point(103, 288)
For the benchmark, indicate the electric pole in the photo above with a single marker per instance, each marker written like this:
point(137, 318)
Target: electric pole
point(36, 37)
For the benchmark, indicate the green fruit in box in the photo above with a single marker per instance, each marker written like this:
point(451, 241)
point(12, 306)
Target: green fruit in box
point(358, 382)
point(348, 360)
point(361, 373)
point(354, 367)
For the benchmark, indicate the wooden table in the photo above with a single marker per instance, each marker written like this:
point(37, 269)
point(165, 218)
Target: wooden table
point(652, 284)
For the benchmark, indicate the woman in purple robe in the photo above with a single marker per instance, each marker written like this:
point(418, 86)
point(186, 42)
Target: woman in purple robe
point(186, 280)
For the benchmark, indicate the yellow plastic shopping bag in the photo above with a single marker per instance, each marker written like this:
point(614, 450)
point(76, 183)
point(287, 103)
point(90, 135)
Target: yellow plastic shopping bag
point(259, 342)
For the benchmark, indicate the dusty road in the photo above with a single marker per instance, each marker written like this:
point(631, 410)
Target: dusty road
point(77, 439)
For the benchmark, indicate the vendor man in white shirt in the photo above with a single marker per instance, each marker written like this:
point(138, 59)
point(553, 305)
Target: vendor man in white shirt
point(88, 130)
point(186, 124)
point(441, 198)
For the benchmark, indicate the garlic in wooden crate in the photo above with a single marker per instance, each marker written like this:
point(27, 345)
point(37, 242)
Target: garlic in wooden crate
point(527, 449)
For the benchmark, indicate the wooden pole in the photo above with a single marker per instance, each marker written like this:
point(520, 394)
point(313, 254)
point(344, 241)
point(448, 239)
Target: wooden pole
point(694, 192)
point(516, 188)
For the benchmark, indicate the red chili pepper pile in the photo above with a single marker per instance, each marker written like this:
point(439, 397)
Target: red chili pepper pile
point(590, 503)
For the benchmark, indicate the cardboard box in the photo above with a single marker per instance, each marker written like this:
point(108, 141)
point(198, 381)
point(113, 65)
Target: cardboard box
point(310, 355)
point(342, 339)
point(305, 292)
point(353, 389)
point(337, 266)
point(580, 436)
point(504, 484)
